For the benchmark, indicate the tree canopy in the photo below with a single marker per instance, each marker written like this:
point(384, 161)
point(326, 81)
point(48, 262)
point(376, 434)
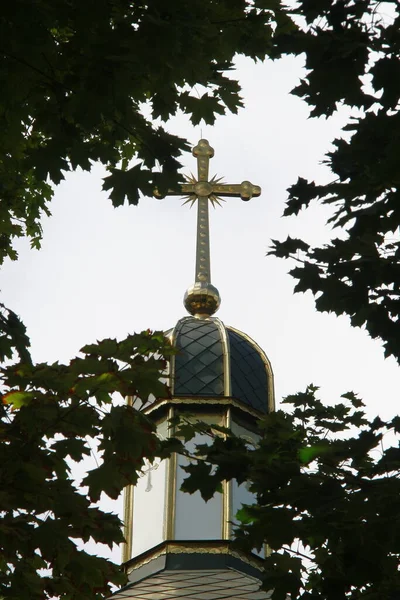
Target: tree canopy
point(352, 52)
point(75, 76)
point(52, 418)
point(326, 482)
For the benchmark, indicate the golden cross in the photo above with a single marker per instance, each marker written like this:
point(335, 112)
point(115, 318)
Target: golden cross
point(204, 191)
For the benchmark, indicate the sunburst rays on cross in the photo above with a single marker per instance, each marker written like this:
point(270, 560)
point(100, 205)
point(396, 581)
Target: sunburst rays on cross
point(213, 198)
point(203, 190)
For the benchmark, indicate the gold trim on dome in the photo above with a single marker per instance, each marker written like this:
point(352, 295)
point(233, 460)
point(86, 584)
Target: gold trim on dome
point(226, 357)
point(172, 337)
point(268, 367)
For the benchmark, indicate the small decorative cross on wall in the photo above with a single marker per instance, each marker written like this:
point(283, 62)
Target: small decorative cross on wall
point(150, 467)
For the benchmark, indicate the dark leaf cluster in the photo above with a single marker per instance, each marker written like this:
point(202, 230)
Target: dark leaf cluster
point(75, 76)
point(352, 53)
point(52, 417)
point(326, 482)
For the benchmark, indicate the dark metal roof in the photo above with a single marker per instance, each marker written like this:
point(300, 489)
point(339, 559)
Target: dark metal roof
point(248, 372)
point(199, 368)
point(214, 360)
point(195, 585)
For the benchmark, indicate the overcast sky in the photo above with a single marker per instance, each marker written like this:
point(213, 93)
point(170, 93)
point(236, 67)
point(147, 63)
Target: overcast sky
point(105, 272)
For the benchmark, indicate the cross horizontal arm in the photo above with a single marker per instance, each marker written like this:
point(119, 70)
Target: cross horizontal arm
point(180, 191)
point(246, 190)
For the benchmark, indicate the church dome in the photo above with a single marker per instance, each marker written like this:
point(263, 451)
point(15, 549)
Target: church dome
point(218, 361)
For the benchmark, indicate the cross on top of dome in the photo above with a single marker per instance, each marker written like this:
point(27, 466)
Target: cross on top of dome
point(202, 298)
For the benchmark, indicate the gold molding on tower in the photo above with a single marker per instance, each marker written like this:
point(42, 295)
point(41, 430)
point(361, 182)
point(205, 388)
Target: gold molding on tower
point(194, 547)
point(128, 512)
point(227, 492)
point(203, 400)
point(128, 523)
point(170, 500)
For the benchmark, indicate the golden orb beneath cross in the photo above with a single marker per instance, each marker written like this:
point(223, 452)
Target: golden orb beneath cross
point(202, 299)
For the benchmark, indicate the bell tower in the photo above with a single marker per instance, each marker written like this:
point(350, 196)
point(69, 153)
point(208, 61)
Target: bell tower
point(219, 375)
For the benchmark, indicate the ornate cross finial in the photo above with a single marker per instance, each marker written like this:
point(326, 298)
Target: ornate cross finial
point(202, 298)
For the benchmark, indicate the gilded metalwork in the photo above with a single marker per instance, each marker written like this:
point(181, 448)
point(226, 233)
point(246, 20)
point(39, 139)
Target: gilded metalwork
point(216, 547)
point(226, 357)
point(172, 338)
point(217, 400)
point(202, 299)
point(127, 527)
point(128, 513)
point(170, 506)
point(227, 515)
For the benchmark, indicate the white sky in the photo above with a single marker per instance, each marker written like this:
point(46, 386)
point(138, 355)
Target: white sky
point(105, 272)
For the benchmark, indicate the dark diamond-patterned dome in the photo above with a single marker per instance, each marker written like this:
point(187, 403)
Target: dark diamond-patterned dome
point(215, 360)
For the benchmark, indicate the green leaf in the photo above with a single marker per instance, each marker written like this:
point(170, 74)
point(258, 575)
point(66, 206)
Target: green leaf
point(203, 108)
point(288, 247)
point(200, 478)
point(309, 453)
point(18, 398)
